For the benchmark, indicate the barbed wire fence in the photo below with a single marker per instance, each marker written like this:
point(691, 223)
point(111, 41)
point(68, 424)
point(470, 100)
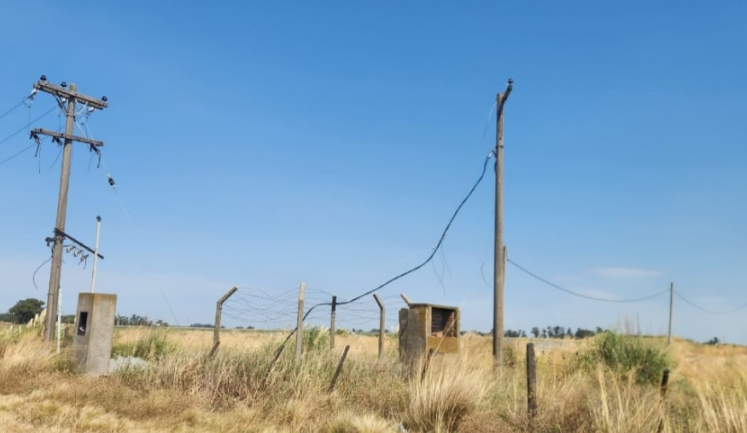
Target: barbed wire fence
point(356, 323)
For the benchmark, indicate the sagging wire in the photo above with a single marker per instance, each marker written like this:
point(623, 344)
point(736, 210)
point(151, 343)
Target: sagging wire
point(482, 274)
point(16, 154)
point(33, 276)
point(403, 274)
point(25, 127)
point(705, 310)
point(132, 228)
point(580, 295)
point(28, 100)
point(487, 121)
point(83, 127)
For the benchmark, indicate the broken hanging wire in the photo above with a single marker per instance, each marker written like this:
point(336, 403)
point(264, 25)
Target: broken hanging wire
point(36, 138)
point(93, 148)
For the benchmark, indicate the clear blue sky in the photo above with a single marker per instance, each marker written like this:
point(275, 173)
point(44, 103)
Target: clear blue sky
point(262, 145)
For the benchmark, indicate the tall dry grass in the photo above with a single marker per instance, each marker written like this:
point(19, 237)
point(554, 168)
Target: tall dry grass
point(184, 390)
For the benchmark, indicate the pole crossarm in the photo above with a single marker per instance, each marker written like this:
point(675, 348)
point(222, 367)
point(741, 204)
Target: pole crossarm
point(69, 94)
point(96, 143)
point(62, 234)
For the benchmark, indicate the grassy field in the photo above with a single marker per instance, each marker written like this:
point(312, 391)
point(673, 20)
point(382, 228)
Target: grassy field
point(593, 385)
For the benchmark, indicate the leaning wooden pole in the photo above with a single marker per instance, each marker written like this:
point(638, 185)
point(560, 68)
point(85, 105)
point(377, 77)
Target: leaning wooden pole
point(339, 369)
point(218, 314)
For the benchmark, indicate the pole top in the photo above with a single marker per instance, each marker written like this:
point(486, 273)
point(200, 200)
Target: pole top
point(98, 218)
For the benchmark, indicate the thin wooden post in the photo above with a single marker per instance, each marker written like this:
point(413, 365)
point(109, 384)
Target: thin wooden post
point(671, 304)
point(218, 314)
point(339, 369)
point(664, 382)
point(275, 358)
point(663, 390)
point(427, 363)
point(332, 318)
point(531, 381)
point(299, 325)
point(406, 299)
point(382, 325)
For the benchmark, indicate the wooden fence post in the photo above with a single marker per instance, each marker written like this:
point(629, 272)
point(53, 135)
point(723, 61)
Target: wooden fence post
point(664, 382)
point(663, 390)
point(299, 325)
point(275, 358)
point(339, 369)
point(218, 313)
point(332, 328)
point(382, 324)
point(427, 363)
point(531, 382)
point(406, 299)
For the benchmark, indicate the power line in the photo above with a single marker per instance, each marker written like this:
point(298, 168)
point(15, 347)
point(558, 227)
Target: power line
point(17, 153)
point(705, 310)
point(403, 274)
point(14, 107)
point(135, 233)
point(26, 126)
point(592, 298)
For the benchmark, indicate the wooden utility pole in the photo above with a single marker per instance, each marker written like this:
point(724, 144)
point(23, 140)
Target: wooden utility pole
point(71, 96)
point(671, 305)
point(499, 265)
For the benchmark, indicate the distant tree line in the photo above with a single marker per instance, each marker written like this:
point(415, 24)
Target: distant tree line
point(558, 332)
point(23, 311)
point(137, 320)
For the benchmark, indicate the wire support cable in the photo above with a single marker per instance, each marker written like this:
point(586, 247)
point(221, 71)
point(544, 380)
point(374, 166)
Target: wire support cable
point(580, 295)
point(705, 310)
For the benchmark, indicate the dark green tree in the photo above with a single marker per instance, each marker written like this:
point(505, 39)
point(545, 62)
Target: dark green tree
point(25, 310)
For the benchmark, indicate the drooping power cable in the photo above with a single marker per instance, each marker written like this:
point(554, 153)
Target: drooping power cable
point(403, 274)
point(580, 295)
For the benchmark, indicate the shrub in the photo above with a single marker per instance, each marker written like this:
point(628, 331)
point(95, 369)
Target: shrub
point(447, 395)
point(315, 339)
point(151, 346)
point(627, 354)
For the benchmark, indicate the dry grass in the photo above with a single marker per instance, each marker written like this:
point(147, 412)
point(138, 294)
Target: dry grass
point(183, 390)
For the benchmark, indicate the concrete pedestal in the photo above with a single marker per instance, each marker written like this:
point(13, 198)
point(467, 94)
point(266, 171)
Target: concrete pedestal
point(94, 326)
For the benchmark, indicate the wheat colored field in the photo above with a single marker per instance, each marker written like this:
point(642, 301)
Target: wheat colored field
point(184, 390)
